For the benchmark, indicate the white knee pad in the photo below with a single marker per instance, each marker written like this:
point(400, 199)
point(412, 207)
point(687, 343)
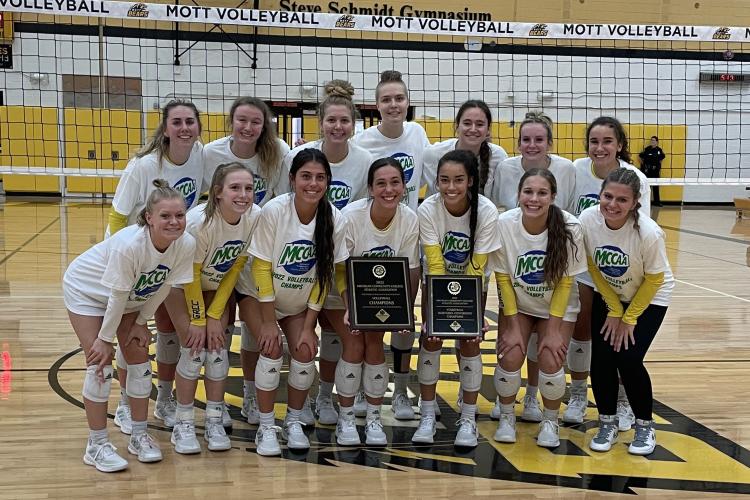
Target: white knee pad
point(217, 365)
point(120, 359)
point(579, 355)
point(189, 365)
point(402, 341)
point(428, 366)
point(375, 380)
point(247, 340)
point(267, 373)
point(93, 388)
point(471, 373)
point(348, 378)
point(330, 346)
point(552, 385)
point(167, 348)
point(301, 375)
point(139, 380)
point(507, 383)
point(532, 348)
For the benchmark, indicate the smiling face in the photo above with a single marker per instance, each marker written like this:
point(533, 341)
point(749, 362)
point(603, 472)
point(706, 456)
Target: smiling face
point(236, 195)
point(310, 182)
point(533, 142)
point(182, 127)
point(454, 183)
point(337, 124)
point(473, 129)
point(247, 125)
point(393, 102)
point(166, 221)
point(387, 188)
point(603, 146)
point(616, 203)
point(535, 197)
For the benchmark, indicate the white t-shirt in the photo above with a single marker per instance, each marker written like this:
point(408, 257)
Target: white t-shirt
point(434, 152)
point(408, 149)
point(218, 244)
point(625, 255)
point(522, 258)
point(438, 227)
point(219, 152)
point(136, 183)
point(508, 176)
point(349, 181)
point(282, 239)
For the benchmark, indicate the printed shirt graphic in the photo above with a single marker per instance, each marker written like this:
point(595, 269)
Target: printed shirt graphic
point(625, 255)
point(219, 152)
point(438, 226)
point(522, 258)
point(433, 153)
point(282, 239)
point(218, 243)
point(136, 183)
point(508, 176)
point(407, 149)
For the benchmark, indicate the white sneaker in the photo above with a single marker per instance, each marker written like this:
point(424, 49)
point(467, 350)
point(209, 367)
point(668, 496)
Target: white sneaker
point(216, 436)
point(438, 413)
point(495, 411)
point(531, 411)
point(374, 434)
point(644, 440)
point(183, 438)
point(401, 406)
point(575, 412)
point(226, 418)
point(425, 433)
point(250, 410)
point(606, 436)
point(307, 417)
point(123, 419)
point(549, 434)
point(467, 433)
point(625, 417)
point(267, 442)
point(346, 433)
point(327, 414)
point(104, 457)
point(294, 435)
point(506, 429)
point(360, 404)
point(145, 447)
point(166, 411)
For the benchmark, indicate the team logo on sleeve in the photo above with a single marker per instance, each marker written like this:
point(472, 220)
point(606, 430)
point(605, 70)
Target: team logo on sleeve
point(384, 251)
point(260, 187)
point(186, 187)
point(149, 283)
point(530, 267)
point(339, 193)
point(225, 256)
point(455, 249)
point(585, 201)
point(611, 260)
point(298, 257)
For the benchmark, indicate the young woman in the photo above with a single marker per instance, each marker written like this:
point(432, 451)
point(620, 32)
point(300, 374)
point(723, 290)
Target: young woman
point(405, 141)
point(380, 226)
point(173, 153)
point(628, 262)
point(112, 290)
point(607, 146)
point(349, 164)
point(458, 230)
point(542, 252)
point(298, 240)
point(534, 143)
point(222, 228)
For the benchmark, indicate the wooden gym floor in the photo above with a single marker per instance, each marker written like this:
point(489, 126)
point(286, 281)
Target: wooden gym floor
point(699, 363)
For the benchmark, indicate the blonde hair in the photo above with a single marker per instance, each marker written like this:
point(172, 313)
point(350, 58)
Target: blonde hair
point(217, 184)
point(537, 117)
point(162, 192)
point(160, 142)
point(267, 148)
point(338, 93)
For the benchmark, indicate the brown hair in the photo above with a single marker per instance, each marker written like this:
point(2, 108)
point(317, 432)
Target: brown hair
point(338, 93)
point(390, 76)
point(217, 184)
point(620, 135)
point(267, 147)
point(484, 148)
point(162, 192)
point(626, 177)
point(160, 142)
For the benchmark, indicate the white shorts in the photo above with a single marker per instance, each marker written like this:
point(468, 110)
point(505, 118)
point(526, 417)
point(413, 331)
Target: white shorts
point(79, 303)
point(334, 302)
point(571, 312)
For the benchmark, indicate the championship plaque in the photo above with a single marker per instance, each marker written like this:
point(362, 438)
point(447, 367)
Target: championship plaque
point(379, 293)
point(454, 305)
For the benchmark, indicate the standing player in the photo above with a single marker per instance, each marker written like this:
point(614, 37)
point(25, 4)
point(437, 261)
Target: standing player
point(380, 226)
point(627, 259)
point(173, 153)
point(298, 240)
point(113, 289)
point(607, 146)
point(542, 252)
point(406, 142)
point(458, 230)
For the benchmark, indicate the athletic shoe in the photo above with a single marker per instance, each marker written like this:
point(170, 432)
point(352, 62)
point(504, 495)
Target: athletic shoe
point(576, 409)
point(607, 434)
point(267, 442)
point(360, 404)
point(145, 447)
point(506, 429)
point(425, 433)
point(401, 406)
point(467, 433)
point(495, 411)
point(250, 410)
point(346, 433)
point(625, 417)
point(327, 413)
point(294, 435)
point(374, 434)
point(549, 434)
point(104, 457)
point(438, 413)
point(183, 438)
point(166, 411)
point(307, 417)
point(531, 411)
point(226, 418)
point(123, 419)
point(644, 440)
point(216, 436)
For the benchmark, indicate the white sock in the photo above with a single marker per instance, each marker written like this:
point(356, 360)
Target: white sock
point(267, 419)
point(550, 415)
point(326, 389)
point(185, 413)
point(214, 409)
point(164, 390)
point(507, 409)
point(531, 390)
point(400, 382)
point(139, 428)
point(373, 412)
point(346, 412)
point(99, 437)
point(123, 397)
point(468, 411)
point(427, 408)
